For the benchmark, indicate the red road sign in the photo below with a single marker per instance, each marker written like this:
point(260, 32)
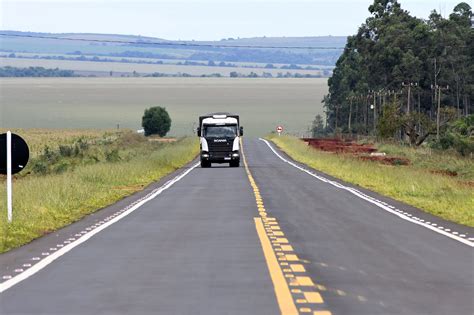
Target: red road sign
point(279, 129)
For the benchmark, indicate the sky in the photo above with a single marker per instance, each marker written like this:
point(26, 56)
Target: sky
point(200, 19)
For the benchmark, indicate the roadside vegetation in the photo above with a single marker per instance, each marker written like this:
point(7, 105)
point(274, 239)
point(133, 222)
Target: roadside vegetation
point(438, 182)
point(74, 173)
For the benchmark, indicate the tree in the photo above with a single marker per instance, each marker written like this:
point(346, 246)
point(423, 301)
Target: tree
point(317, 127)
point(156, 120)
point(393, 49)
point(390, 122)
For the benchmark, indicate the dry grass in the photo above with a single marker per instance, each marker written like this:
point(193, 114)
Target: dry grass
point(38, 139)
point(46, 202)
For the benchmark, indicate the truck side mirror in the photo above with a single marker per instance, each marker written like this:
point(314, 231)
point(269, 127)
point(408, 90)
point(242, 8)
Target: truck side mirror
point(198, 131)
point(241, 131)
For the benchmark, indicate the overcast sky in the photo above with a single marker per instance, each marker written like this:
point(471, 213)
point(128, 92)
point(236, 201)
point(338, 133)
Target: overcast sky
point(201, 19)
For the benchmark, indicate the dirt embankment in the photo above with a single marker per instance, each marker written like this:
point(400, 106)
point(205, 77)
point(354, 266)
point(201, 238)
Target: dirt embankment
point(366, 152)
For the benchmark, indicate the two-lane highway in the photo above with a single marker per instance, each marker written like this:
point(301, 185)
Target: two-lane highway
point(262, 239)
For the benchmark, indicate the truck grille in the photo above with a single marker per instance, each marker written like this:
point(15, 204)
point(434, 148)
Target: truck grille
point(219, 149)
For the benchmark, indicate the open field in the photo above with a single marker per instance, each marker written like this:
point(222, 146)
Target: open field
point(104, 68)
point(422, 184)
point(80, 172)
point(237, 64)
point(105, 102)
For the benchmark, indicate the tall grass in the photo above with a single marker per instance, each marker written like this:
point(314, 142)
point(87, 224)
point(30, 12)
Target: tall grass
point(44, 203)
point(443, 196)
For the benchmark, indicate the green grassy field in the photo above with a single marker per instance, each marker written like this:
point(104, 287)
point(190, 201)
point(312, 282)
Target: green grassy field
point(102, 103)
point(418, 184)
point(80, 172)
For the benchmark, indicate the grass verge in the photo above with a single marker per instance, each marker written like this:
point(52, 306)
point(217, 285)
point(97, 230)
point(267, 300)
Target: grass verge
point(444, 196)
point(80, 176)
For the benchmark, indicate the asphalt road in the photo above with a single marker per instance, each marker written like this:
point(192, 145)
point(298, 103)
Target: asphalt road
point(224, 241)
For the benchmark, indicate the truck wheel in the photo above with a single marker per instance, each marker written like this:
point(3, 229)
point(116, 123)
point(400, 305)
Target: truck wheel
point(234, 164)
point(205, 164)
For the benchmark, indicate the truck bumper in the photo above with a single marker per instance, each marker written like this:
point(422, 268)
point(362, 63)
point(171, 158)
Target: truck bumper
point(220, 158)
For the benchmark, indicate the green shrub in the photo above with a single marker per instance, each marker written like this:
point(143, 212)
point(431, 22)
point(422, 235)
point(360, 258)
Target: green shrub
point(156, 120)
point(112, 156)
point(458, 136)
point(67, 151)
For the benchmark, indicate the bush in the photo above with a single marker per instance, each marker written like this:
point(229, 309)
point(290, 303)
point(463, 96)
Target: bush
point(156, 120)
point(112, 156)
point(458, 136)
point(390, 121)
point(66, 151)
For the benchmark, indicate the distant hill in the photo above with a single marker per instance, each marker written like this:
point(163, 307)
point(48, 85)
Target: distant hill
point(144, 49)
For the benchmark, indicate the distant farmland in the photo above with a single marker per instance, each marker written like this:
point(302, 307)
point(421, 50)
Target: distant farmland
point(103, 68)
point(105, 102)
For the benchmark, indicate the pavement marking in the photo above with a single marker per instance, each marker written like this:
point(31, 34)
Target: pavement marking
point(286, 248)
point(313, 297)
point(71, 243)
point(291, 257)
point(304, 281)
point(403, 215)
point(283, 294)
point(297, 268)
point(277, 253)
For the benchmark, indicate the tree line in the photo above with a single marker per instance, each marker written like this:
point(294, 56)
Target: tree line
point(34, 72)
point(404, 77)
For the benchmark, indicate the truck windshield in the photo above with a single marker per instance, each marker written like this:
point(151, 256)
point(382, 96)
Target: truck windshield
point(212, 131)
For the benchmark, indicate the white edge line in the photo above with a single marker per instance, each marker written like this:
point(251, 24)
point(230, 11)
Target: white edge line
point(49, 259)
point(371, 200)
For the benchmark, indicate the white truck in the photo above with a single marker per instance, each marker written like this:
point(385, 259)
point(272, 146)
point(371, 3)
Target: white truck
point(220, 139)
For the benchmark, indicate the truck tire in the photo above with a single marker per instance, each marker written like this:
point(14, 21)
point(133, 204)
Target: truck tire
point(234, 164)
point(205, 164)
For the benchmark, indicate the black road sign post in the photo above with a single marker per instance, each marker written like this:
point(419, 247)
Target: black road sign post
point(14, 155)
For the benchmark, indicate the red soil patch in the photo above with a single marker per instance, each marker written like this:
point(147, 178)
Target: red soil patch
point(361, 151)
point(339, 145)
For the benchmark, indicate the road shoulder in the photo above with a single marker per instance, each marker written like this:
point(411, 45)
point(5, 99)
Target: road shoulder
point(402, 209)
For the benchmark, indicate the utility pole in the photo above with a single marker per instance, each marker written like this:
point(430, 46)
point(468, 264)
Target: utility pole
point(409, 84)
point(350, 98)
point(438, 89)
point(375, 111)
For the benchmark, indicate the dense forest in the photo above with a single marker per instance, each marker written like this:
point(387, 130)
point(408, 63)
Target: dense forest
point(404, 77)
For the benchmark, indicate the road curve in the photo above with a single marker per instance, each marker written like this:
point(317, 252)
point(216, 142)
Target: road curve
point(266, 239)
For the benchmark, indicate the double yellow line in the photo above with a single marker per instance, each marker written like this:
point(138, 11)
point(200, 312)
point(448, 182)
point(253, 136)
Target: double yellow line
point(283, 264)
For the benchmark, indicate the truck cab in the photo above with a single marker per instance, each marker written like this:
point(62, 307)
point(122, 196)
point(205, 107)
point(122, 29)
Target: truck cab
point(219, 135)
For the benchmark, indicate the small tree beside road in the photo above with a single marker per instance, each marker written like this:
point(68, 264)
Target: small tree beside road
point(156, 120)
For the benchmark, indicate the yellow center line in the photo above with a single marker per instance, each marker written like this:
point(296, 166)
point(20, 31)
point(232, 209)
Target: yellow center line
point(282, 291)
point(273, 243)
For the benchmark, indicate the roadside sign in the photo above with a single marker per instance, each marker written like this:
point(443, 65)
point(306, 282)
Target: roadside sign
point(279, 129)
point(20, 153)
